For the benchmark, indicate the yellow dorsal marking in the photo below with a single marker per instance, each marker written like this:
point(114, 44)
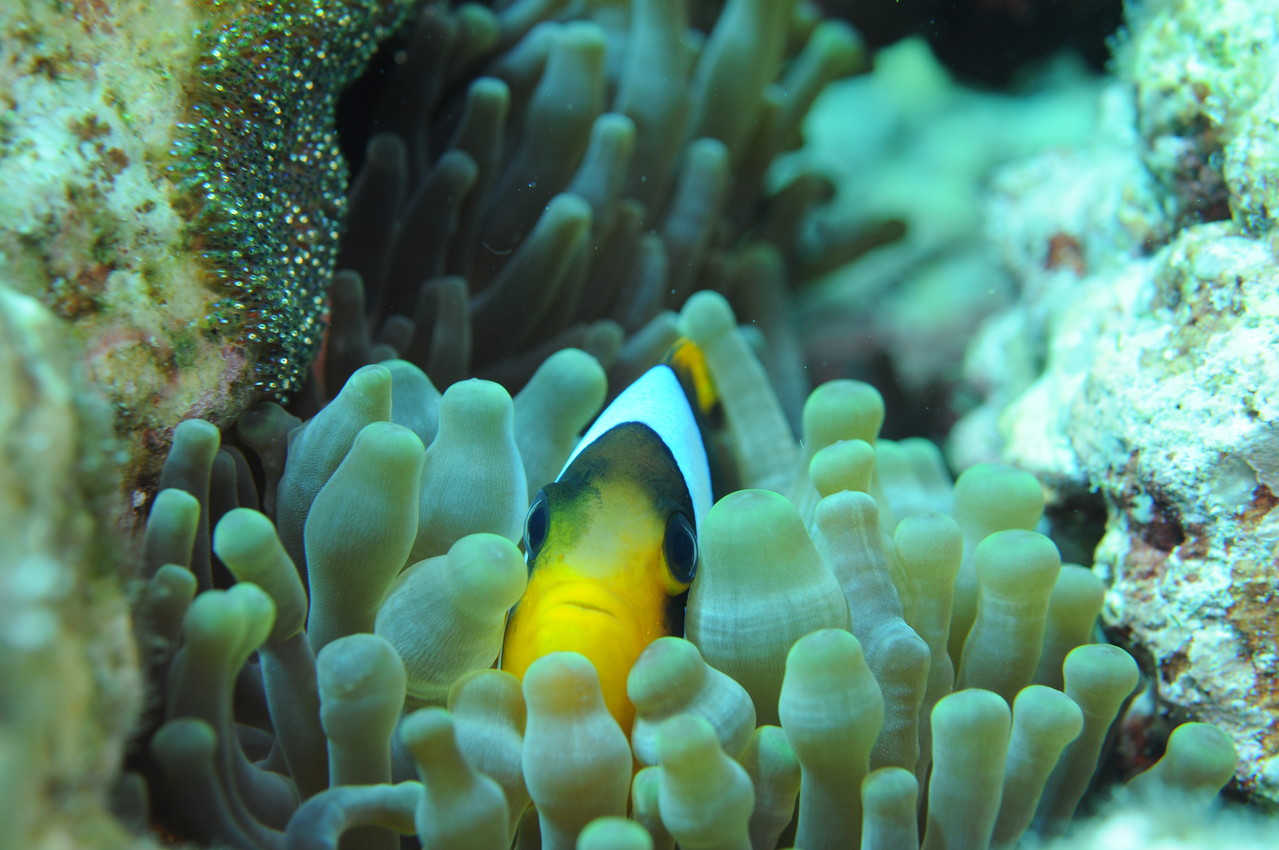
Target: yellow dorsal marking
point(688, 361)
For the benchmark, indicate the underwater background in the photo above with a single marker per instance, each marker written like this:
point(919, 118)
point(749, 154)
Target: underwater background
point(986, 295)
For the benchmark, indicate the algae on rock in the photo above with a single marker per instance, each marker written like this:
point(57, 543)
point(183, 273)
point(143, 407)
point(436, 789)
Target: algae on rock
point(1151, 374)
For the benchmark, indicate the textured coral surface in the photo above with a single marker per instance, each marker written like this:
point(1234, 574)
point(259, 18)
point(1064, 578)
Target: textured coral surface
point(161, 200)
point(93, 100)
point(70, 680)
point(106, 296)
point(1145, 366)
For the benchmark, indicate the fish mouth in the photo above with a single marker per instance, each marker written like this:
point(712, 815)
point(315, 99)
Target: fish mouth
point(588, 596)
point(595, 609)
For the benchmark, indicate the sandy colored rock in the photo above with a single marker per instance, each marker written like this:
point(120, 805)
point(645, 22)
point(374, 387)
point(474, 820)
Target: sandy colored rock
point(1139, 364)
point(67, 660)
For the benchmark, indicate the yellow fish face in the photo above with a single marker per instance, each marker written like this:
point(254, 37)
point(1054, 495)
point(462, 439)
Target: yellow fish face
point(600, 592)
point(611, 549)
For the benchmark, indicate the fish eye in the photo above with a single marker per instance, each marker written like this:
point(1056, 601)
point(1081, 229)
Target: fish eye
point(680, 548)
point(536, 524)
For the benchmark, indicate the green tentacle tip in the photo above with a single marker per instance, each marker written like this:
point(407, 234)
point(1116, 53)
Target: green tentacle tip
point(991, 497)
point(446, 615)
point(705, 798)
point(171, 530)
point(614, 833)
point(460, 807)
point(843, 465)
point(184, 741)
point(361, 679)
point(706, 317)
point(1199, 760)
point(246, 542)
point(842, 410)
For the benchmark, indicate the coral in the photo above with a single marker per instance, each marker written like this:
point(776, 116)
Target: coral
point(174, 192)
point(920, 157)
point(863, 715)
point(66, 657)
point(1140, 373)
point(1163, 820)
point(1207, 124)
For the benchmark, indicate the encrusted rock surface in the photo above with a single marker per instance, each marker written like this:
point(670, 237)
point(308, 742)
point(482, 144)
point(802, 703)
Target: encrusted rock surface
point(109, 301)
point(1140, 362)
point(70, 681)
point(153, 193)
point(90, 226)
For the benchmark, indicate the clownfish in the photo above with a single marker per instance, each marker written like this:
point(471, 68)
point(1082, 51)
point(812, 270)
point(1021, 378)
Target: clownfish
point(611, 544)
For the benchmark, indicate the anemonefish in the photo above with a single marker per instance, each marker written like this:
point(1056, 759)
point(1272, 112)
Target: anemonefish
point(611, 544)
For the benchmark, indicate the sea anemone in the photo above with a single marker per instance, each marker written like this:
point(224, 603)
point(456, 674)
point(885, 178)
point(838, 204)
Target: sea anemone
point(322, 588)
point(546, 175)
point(301, 700)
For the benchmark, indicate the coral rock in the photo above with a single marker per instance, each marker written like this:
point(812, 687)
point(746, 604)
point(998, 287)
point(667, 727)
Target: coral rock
point(1146, 372)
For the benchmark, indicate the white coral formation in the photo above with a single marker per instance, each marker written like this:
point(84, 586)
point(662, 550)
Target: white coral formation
point(1162, 821)
point(922, 150)
point(1143, 355)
